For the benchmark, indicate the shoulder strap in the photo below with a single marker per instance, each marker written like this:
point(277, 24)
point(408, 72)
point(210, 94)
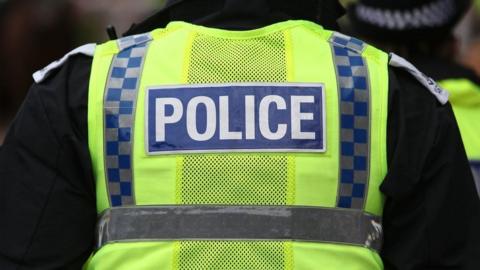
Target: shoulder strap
point(429, 83)
point(41, 75)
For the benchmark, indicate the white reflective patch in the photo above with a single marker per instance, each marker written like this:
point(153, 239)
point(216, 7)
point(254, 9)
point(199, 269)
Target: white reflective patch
point(225, 133)
point(41, 75)
point(264, 122)
point(211, 118)
point(163, 119)
point(250, 117)
point(235, 118)
point(297, 116)
point(429, 83)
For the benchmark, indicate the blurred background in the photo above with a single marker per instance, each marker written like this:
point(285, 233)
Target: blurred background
point(36, 32)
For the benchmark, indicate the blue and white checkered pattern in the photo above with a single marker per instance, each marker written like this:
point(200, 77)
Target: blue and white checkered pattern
point(348, 42)
point(353, 81)
point(119, 109)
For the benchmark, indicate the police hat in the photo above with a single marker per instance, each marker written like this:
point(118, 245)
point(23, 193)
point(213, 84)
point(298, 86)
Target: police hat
point(407, 20)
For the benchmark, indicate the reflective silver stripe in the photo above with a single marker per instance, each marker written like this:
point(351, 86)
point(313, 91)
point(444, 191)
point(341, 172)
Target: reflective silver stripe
point(354, 103)
point(120, 101)
point(312, 224)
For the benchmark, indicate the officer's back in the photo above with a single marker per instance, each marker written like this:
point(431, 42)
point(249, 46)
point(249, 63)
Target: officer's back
point(262, 149)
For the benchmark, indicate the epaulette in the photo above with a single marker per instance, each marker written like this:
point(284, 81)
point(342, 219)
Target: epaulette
point(440, 93)
point(41, 75)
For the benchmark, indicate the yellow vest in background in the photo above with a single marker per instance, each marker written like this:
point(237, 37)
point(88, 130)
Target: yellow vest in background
point(465, 100)
point(260, 149)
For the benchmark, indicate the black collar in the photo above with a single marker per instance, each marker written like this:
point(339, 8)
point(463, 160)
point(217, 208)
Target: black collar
point(243, 14)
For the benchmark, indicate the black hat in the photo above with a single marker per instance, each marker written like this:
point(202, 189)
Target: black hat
point(406, 21)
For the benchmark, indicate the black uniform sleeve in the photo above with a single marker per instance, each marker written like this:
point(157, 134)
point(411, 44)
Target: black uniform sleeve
point(47, 197)
point(431, 215)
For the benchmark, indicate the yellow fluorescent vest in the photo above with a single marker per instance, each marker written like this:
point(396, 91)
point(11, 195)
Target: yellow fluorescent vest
point(259, 149)
point(465, 100)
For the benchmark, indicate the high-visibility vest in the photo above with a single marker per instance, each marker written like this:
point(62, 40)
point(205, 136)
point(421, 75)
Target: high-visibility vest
point(216, 149)
point(465, 100)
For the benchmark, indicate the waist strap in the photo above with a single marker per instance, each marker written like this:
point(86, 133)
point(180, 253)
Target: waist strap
point(257, 223)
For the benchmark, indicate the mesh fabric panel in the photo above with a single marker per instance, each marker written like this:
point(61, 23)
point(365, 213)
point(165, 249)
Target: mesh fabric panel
point(246, 179)
point(238, 179)
point(233, 255)
point(222, 60)
point(235, 178)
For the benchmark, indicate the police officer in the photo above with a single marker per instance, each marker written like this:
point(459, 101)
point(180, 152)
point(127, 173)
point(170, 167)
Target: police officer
point(422, 31)
point(285, 146)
